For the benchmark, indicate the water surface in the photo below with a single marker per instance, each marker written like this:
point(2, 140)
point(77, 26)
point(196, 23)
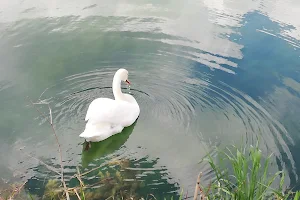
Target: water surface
point(205, 73)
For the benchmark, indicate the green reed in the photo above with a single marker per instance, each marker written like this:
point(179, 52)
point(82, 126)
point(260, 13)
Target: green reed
point(245, 176)
point(240, 174)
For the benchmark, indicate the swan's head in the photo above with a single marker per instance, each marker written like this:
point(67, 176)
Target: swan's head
point(123, 75)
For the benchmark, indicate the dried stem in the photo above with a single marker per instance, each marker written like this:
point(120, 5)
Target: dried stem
point(43, 93)
point(77, 194)
point(78, 176)
point(50, 113)
point(16, 191)
point(48, 166)
point(186, 196)
point(89, 171)
point(197, 187)
point(151, 196)
point(208, 189)
point(58, 144)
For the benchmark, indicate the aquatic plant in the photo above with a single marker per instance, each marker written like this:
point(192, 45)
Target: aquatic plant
point(246, 175)
point(14, 191)
point(52, 190)
point(240, 174)
point(115, 182)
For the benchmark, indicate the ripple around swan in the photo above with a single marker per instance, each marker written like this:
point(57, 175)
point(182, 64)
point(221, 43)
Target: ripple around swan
point(172, 78)
point(178, 96)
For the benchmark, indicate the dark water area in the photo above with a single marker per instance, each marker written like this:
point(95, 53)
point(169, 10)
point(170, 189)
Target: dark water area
point(205, 74)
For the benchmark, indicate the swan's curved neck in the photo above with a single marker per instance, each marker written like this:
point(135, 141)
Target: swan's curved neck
point(117, 88)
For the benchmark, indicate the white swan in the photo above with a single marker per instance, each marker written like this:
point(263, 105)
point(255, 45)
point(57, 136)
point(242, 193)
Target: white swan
point(107, 117)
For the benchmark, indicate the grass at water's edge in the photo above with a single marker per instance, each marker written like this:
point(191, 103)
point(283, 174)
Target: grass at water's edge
point(240, 174)
point(244, 173)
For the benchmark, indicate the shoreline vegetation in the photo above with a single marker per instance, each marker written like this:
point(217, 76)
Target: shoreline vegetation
point(240, 173)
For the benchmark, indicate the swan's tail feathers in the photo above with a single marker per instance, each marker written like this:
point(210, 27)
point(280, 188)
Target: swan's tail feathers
point(93, 130)
point(99, 131)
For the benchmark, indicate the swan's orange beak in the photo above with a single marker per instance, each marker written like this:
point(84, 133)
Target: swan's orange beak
point(128, 82)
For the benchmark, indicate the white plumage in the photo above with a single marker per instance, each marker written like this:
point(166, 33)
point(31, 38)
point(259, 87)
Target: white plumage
point(106, 117)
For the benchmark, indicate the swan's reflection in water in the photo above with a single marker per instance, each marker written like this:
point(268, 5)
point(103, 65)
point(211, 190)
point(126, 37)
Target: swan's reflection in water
point(105, 147)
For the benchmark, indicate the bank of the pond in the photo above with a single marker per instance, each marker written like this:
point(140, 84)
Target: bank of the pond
point(240, 173)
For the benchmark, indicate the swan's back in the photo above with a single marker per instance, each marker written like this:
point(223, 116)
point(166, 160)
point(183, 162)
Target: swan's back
point(111, 111)
point(107, 117)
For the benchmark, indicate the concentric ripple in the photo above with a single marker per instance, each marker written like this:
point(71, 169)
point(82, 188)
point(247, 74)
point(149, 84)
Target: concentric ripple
point(176, 78)
point(190, 103)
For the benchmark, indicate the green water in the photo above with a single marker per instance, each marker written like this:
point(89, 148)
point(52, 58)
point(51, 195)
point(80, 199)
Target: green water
point(205, 73)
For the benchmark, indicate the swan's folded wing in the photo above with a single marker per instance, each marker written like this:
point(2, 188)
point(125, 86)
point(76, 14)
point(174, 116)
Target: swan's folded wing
point(108, 110)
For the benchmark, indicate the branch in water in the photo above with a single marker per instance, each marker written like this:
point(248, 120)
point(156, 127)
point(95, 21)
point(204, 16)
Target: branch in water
point(57, 141)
